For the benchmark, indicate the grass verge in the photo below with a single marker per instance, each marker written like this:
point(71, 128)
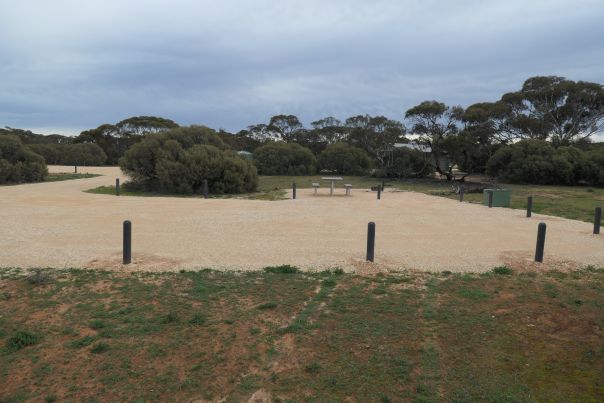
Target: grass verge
point(498, 336)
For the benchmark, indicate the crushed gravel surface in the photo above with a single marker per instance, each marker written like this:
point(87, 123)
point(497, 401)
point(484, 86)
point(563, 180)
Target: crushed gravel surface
point(57, 225)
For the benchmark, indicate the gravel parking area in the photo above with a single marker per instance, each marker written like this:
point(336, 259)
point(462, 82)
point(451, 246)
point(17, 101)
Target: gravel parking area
point(58, 225)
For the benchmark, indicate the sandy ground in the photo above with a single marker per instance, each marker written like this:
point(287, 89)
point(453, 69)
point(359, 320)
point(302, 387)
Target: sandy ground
point(57, 225)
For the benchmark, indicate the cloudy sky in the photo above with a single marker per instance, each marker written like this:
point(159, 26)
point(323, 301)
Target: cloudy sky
point(66, 66)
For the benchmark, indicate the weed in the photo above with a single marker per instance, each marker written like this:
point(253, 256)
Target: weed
point(198, 319)
point(170, 317)
point(83, 342)
point(312, 368)
point(50, 398)
point(267, 305)
point(22, 339)
point(99, 348)
point(38, 276)
point(97, 324)
point(329, 283)
point(283, 269)
point(503, 270)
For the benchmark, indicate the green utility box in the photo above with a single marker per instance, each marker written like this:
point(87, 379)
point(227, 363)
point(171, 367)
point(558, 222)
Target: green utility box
point(501, 197)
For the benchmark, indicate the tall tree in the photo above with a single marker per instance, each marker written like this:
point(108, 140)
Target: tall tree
point(435, 122)
point(376, 135)
point(551, 107)
point(285, 127)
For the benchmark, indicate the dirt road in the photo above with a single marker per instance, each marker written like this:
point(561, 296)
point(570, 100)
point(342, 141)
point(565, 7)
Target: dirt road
point(58, 225)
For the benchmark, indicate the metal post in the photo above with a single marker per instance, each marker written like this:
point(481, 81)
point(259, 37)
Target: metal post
point(597, 220)
point(529, 206)
point(540, 242)
point(294, 190)
point(75, 169)
point(383, 183)
point(117, 186)
point(205, 188)
point(490, 199)
point(370, 241)
point(461, 194)
point(379, 195)
point(127, 242)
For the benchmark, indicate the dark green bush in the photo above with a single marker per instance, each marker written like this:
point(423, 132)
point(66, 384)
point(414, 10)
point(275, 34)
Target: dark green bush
point(179, 160)
point(407, 163)
point(84, 154)
point(532, 161)
point(283, 269)
point(342, 158)
point(19, 164)
point(284, 159)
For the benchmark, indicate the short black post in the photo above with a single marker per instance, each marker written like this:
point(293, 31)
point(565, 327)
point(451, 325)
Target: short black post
point(540, 242)
point(127, 242)
point(379, 195)
point(205, 188)
point(117, 186)
point(370, 241)
point(461, 193)
point(294, 190)
point(383, 183)
point(529, 206)
point(597, 220)
point(490, 199)
point(75, 169)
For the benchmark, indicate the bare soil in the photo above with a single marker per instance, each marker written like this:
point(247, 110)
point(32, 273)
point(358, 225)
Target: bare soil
point(58, 225)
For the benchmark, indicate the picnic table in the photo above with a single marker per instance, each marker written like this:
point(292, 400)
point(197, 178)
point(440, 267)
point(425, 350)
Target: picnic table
point(333, 180)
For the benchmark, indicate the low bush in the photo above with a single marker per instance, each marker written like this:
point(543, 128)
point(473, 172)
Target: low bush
point(342, 158)
point(283, 269)
point(84, 154)
point(538, 162)
point(18, 164)
point(179, 160)
point(284, 159)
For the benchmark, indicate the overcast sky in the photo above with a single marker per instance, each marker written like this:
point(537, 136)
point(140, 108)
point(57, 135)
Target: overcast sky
point(67, 66)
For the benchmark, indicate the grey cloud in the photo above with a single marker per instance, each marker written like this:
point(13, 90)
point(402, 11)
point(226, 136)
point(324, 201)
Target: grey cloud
point(75, 65)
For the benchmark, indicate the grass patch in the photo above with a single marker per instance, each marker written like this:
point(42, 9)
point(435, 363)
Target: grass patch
point(22, 339)
point(124, 336)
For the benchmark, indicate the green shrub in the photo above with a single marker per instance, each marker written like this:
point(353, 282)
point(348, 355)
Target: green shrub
point(99, 348)
point(531, 161)
point(502, 270)
point(283, 269)
point(198, 319)
point(342, 158)
point(19, 164)
point(22, 339)
point(84, 154)
point(267, 305)
point(284, 159)
point(179, 160)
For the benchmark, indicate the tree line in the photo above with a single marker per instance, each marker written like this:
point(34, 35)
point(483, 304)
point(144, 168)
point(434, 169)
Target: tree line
point(553, 115)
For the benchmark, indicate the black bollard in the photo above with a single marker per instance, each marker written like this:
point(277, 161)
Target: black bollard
point(127, 242)
point(370, 241)
point(529, 206)
point(75, 169)
point(461, 194)
point(205, 188)
point(294, 190)
point(117, 186)
point(379, 195)
point(490, 199)
point(540, 242)
point(383, 183)
point(597, 220)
